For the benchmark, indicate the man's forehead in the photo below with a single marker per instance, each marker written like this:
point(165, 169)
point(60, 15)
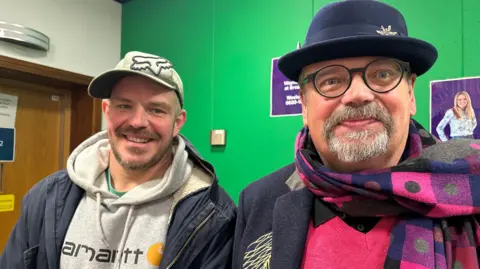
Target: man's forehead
point(152, 102)
point(136, 96)
point(348, 62)
point(131, 96)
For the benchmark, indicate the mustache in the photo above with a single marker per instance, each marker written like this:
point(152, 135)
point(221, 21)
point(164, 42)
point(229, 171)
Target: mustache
point(130, 130)
point(369, 110)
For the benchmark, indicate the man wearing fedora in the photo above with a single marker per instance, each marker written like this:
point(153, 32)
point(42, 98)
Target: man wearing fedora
point(136, 195)
point(369, 186)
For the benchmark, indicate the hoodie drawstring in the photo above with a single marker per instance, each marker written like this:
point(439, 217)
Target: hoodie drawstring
point(124, 235)
point(123, 240)
point(99, 221)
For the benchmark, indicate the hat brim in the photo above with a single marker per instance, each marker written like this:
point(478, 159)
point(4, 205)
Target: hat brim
point(102, 85)
point(420, 54)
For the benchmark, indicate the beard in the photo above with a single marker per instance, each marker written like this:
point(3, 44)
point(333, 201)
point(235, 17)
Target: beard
point(362, 145)
point(159, 154)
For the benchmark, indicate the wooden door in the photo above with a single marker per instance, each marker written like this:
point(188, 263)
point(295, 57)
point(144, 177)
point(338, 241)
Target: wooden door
point(41, 143)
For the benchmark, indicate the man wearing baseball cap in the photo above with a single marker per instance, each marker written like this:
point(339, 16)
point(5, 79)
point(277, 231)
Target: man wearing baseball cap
point(136, 195)
point(369, 186)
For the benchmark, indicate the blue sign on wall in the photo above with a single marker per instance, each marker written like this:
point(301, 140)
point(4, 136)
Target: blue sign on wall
point(7, 144)
point(284, 94)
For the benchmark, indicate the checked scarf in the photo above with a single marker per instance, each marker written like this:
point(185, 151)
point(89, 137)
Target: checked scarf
point(434, 191)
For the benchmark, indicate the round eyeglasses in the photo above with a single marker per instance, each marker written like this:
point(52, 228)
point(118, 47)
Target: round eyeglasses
point(380, 76)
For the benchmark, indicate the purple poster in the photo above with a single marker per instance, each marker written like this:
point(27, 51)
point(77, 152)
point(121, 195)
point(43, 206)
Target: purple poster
point(453, 106)
point(284, 95)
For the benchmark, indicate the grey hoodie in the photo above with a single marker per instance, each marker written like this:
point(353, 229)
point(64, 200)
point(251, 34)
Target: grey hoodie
point(108, 231)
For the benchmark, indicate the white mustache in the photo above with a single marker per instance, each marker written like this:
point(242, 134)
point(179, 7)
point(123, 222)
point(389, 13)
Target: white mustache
point(370, 110)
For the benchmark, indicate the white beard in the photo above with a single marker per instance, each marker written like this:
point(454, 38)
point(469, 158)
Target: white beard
point(361, 147)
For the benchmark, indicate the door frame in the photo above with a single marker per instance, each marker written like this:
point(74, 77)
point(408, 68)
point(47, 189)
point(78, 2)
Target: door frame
point(86, 112)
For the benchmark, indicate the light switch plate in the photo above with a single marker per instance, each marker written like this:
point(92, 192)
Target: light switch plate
point(218, 137)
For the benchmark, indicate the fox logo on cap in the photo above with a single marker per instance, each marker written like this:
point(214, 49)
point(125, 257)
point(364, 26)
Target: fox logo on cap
point(154, 64)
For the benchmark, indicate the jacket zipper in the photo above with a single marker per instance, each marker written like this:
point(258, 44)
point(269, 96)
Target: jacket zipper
point(190, 238)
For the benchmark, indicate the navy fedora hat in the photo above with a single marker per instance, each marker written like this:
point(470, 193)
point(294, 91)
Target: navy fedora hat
point(356, 28)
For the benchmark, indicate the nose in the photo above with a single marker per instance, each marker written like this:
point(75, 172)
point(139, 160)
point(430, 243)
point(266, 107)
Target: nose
point(358, 94)
point(139, 118)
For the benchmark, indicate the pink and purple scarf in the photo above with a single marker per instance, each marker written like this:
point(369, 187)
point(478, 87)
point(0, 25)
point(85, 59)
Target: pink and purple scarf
point(434, 191)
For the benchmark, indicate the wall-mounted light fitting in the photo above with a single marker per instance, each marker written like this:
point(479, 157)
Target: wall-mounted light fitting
point(24, 36)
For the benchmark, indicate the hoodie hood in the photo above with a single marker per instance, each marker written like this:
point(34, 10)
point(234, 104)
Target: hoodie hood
point(87, 163)
point(129, 220)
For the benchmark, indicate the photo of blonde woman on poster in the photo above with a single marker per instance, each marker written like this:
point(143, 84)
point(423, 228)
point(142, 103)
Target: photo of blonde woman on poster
point(461, 118)
point(454, 104)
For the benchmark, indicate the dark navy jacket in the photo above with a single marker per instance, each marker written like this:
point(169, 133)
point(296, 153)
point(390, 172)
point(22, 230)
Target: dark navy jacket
point(200, 234)
point(273, 219)
point(277, 203)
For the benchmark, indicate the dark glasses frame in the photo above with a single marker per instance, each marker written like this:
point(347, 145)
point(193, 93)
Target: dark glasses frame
point(404, 66)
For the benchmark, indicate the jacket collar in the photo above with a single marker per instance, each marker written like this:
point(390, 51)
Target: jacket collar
point(321, 213)
point(291, 219)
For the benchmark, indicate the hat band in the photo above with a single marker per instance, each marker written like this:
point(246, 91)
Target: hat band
point(349, 30)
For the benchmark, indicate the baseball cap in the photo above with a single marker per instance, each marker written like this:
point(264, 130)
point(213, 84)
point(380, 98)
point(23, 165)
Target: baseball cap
point(153, 67)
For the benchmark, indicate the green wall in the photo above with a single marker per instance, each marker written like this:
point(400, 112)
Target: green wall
point(223, 50)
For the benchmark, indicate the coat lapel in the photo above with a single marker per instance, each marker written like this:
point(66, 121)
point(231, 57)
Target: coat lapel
point(291, 218)
point(62, 201)
point(50, 224)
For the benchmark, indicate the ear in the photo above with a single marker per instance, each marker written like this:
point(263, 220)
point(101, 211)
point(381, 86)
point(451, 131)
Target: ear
point(413, 104)
point(105, 106)
point(179, 122)
point(304, 107)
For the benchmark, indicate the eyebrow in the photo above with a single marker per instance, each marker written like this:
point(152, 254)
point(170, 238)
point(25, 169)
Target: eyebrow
point(328, 72)
point(160, 104)
point(121, 99)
